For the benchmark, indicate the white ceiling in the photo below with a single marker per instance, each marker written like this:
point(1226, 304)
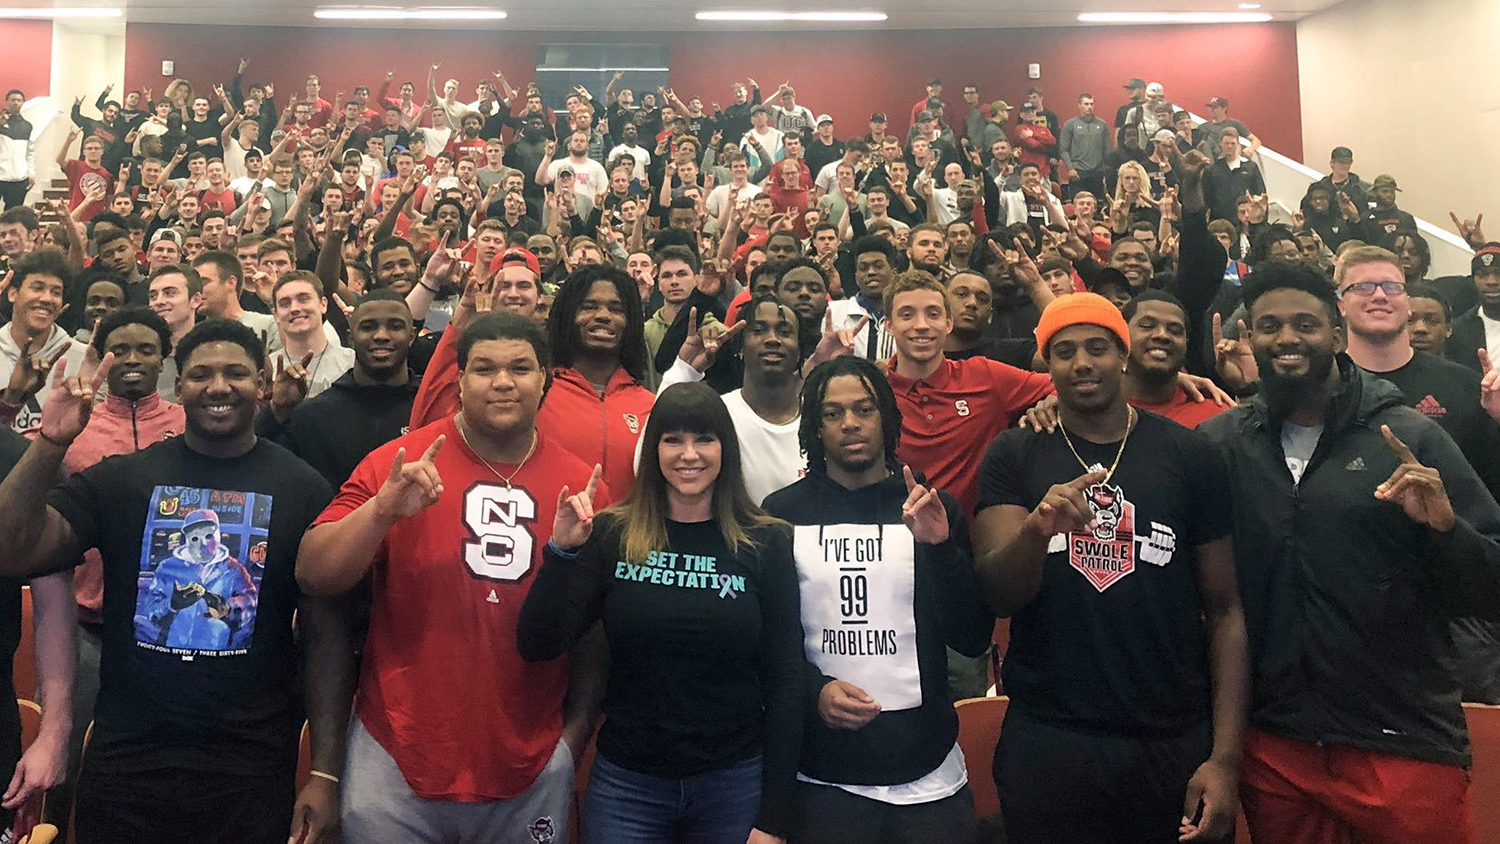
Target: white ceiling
point(677, 15)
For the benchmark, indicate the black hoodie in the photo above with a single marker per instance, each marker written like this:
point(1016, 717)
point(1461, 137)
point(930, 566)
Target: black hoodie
point(336, 429)
point(1347, 600)
point(945, 610)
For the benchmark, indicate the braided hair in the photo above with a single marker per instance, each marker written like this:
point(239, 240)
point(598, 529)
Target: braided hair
point(815, 390)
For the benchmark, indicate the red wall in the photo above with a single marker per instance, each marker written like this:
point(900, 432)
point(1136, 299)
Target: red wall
point(847, 74)
point(28, 56)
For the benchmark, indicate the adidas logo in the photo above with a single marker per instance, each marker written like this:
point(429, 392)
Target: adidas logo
point(1356, 465)
point(1431, 407)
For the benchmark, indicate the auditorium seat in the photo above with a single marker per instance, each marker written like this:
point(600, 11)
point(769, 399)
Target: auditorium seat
point(42, 833)
point(1484, 795)
point(24, 666)
point(979, 722)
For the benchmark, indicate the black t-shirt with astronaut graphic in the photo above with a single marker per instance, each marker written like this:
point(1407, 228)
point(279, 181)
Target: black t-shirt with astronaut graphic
point(1114, 641)
point(198, 669)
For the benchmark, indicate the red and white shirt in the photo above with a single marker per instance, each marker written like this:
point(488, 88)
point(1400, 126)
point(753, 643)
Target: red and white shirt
point(442, 686)
point(949, 417)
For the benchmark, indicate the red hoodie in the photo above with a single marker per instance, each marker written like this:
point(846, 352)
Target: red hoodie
point(1037, 146)
point(572, 415)
point(116, 426)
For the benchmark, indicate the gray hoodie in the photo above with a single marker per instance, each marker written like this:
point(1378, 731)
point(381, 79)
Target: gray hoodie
point(29, 418)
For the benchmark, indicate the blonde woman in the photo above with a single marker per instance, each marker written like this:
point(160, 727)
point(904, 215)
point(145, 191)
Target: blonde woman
point(1132, 201)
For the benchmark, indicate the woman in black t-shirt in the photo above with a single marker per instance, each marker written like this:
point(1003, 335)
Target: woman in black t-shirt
point(698, 597)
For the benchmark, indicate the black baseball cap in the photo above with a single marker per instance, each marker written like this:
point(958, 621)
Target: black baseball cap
point(1486, 259)
point(877, 117)
point(1342, 154)
point(1135, 83)
point(934, 81)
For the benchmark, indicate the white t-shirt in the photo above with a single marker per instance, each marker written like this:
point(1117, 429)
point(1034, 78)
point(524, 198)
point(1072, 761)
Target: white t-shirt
point(946, 200)
point(771, 455)
point(770, 141)
point(946, 780)
point(828, 177)
point(436, 140)
point(234, 160)
point(714, 205)
point(588, 178)
point(326, 367)
point(1491, 335)
point(1297, 446)
point(642, 158)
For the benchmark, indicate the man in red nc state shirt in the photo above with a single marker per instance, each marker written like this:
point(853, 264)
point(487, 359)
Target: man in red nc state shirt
point(457, 738)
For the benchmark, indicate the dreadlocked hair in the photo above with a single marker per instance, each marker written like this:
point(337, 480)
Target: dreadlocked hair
point(815, 390)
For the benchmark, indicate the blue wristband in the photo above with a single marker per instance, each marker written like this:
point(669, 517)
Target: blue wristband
point(558, 550)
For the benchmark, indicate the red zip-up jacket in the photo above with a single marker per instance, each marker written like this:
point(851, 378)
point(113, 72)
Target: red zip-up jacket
point(573, 415)
point(116, 426)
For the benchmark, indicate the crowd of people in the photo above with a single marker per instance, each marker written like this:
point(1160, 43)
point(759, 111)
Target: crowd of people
point(455, 430)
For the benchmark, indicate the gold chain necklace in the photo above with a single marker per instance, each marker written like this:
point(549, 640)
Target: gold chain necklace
point(458, 423)
point(1129, 426)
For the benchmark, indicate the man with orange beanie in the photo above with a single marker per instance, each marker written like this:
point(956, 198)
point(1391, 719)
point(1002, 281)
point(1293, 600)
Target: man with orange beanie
point(1108, 540)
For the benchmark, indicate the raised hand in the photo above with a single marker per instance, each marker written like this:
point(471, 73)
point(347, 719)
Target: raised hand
point(837, 342)
point(574, 522)
point(30, 372)
point(1064, 509)
point(1022, 268)
point(289, 386)
point(1233, 359)
point(442, 265)
point(1348, 208)
point(411, 487)
point(701, 346)
point(68, 406)
point(1472, 231)
point(923, 512)
point(1489, 386)
point(1192, 164)
point(1417, 488)
point(845, 706)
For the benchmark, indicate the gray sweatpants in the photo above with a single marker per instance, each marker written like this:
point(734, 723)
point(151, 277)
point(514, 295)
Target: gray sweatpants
point(378, 807)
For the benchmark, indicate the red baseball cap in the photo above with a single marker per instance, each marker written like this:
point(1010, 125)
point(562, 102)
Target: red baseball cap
point(514, 256)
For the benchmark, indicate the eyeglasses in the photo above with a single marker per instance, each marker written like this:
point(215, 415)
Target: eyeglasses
point(1368, 288)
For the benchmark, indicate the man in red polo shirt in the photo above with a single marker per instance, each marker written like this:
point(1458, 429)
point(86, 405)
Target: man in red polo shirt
point(456, 737)
point(950, 409)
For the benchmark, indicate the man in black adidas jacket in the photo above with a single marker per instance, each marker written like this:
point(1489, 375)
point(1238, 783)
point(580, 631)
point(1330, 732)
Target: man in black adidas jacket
point(1359, 532)
point(886, 583)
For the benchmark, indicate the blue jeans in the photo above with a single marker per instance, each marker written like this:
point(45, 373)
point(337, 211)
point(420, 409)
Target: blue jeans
point(625, 807)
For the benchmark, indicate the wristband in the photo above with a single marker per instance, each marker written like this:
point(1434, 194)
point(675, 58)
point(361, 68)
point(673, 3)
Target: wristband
point(428, 287)
point(558, 550)
point(330, 777)
point(43, 435)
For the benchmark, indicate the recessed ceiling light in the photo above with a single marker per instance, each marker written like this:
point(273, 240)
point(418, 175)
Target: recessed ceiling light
point(389, 14)
point(1174, 17)
point(61, 12)
point(827, 17)
point(1249, 5)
